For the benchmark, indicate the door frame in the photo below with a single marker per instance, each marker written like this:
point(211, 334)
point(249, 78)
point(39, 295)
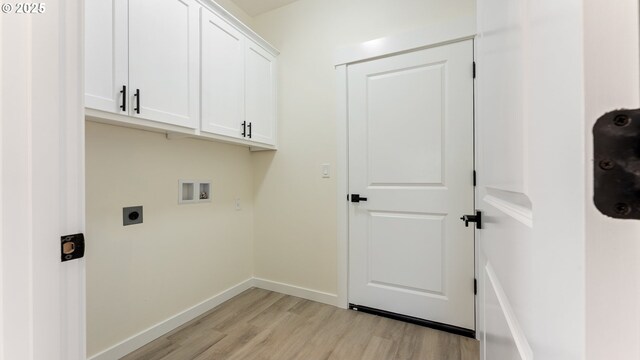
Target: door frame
point(42, 124)
point(460, 29)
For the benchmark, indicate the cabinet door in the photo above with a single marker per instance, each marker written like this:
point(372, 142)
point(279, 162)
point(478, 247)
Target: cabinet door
point(106, 55)
point(222, 59)
point(260, 93)
point(163, 60)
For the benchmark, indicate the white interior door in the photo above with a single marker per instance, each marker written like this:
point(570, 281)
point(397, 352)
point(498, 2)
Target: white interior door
point(411, 156)
point(163, 60)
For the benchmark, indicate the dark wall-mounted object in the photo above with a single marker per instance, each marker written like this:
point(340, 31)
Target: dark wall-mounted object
point(132, 215)
point(616, 154)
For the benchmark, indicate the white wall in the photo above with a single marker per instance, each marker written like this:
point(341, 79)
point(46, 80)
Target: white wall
point(295, 209)
point(181, 255)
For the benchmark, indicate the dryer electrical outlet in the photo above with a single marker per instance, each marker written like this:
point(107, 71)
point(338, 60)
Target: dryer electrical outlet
point(132, 215)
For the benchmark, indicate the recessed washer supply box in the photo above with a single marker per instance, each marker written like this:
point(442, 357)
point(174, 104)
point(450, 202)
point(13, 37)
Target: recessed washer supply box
point(194, 191)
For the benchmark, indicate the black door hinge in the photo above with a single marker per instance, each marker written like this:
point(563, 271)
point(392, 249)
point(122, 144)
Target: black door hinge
point(474, 69)
point(475, 286)
point(474, 178)
point(616, 154)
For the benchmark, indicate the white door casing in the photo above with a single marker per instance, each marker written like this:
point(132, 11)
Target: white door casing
point(222, 78)
point(42, 183)
point(411, 155)
point(164, 61)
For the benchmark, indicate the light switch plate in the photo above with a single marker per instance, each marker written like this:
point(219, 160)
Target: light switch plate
point(325, 170)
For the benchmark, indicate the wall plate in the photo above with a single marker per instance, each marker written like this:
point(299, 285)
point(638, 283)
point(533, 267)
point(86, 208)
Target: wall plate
point(131, 215)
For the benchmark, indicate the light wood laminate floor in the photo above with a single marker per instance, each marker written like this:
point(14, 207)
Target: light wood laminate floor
point(260, 324)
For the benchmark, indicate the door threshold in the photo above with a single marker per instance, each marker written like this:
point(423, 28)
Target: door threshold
point(414, 320)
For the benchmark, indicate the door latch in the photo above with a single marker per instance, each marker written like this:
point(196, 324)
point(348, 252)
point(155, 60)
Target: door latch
point(616, 168)
point(477, 218)
point(71, 247)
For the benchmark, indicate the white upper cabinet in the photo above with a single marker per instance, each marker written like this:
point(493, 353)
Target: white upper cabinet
point(163, 60)
point(180, 66)
point(222, 57)
point(106, 67)
point(260, 94)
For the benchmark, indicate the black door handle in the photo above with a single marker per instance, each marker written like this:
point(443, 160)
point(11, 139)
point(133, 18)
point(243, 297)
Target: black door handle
point(250, 130)
point(244, 129)
point(356, 198)
point(137, 95)
point(124, 98)
point(477, 218)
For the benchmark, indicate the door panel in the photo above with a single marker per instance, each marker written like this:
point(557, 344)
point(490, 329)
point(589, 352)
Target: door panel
point(395, 116)
point(392, 264)
point(105, 55)
point(260, 93)
point(411, 155)
point(222, 51)
point(163, 60)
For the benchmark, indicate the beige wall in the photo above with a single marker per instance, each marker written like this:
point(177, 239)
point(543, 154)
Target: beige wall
point(294, 208)
point(140, 275)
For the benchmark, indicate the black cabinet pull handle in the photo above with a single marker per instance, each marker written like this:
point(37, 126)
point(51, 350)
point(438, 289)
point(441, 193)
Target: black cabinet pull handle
point(249, 130)
point(244, 129)
point(124, 98)
point(137, 95)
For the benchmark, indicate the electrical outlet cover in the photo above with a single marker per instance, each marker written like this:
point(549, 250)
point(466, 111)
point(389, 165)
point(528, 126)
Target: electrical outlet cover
point(132, 215)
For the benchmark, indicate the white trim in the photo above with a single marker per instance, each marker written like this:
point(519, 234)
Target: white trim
point(146, 336)
point(233, 21)
point(517, 333)
point(172, 132)
point(517, 212)
point(436, 34)
point(309, 294)
point(342, 178)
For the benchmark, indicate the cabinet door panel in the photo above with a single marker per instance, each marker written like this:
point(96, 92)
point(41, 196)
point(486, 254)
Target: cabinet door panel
point(163, 60)
point(222, 58)
point(260, 93)
point(105, 54)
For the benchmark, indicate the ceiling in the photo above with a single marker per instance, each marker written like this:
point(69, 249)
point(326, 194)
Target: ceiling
point(257, 7)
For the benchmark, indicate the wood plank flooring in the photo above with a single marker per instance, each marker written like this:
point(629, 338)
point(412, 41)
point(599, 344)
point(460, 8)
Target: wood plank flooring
point(264, 325)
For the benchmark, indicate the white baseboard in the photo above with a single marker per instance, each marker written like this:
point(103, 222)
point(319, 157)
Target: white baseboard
point(322, 297)
point(144, 337)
